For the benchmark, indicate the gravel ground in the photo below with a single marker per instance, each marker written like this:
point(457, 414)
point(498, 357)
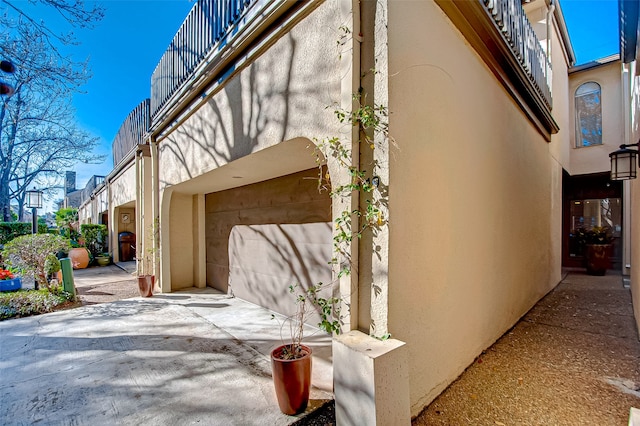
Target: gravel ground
point(574, 359)
point(100, 285)
point(323, 416)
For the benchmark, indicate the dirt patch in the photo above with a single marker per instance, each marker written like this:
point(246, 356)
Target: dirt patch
point(108, 292)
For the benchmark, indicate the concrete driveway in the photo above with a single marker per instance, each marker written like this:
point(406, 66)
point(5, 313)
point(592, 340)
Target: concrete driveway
point(198, 356)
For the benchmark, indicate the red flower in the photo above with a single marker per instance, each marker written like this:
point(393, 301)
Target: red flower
point(6, 275)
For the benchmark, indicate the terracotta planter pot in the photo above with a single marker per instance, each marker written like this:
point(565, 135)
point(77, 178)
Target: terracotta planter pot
point(79, 257)
point(145, 285)
point(292, 380)
point(598, 258)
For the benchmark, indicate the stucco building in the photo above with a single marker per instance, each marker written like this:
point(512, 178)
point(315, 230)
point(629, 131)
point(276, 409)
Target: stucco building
point(472, 172)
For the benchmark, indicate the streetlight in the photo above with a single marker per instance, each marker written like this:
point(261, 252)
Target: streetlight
point(34, 202)
point(624, 162)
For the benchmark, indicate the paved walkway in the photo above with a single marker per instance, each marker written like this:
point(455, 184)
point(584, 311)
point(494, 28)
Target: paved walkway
point(181, 358)
point(574, 359)
point(202, 357)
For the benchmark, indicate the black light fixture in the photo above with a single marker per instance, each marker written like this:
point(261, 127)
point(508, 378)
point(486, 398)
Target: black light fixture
point(624, 162)
point(34, 202)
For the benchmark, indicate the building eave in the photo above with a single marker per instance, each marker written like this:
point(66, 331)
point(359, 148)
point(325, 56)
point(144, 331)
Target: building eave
point(628, 12)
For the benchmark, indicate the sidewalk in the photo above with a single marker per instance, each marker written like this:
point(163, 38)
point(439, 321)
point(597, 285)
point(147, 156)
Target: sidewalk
point(574, 359)
point(180, 358)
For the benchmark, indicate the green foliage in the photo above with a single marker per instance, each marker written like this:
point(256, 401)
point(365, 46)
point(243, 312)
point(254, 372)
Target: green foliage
point(27, 255)
point(51, 264)
point(67, 221)
point(95, 238)
point(306, 302)
point(11, 230)
point(23, 303)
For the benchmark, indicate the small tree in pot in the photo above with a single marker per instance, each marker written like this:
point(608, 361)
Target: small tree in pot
point(291, 362)
point(598, 246)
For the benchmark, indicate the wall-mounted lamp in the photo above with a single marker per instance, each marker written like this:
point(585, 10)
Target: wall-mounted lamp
point(34, 202)
point(624, 162)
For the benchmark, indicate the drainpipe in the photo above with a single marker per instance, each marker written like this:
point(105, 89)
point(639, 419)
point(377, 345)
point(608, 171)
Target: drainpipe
point(155, 214)
point(349, 285)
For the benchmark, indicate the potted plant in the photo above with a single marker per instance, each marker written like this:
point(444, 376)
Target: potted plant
point(598, 246)
point(94, 237)
point(103, 259)
point(146, 281)
point(291, 362)
point(8, 281)
point(79, 255)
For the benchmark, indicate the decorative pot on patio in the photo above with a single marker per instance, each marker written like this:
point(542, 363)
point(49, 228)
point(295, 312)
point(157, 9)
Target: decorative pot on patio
point(79, 257)
point(103, 260)
point(145, 285)
point(598, 258)
point(292, 379)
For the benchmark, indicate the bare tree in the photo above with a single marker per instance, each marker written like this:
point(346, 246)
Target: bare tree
point(38, 134)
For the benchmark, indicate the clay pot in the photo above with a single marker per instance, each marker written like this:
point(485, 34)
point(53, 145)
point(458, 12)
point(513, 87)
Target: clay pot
point(292, 380)
point(598, 258)
point(145, 285)
point(79, 257)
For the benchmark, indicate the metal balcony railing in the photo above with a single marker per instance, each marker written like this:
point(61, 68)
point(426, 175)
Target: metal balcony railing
point(132, 131)
point(511, 19)
point(207, 27)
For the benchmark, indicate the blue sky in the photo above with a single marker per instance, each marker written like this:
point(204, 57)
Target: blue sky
point(593, 28)
point(127, 44)
point(123, 50)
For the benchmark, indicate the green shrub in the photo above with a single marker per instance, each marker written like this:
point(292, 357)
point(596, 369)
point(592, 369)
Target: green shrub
point(27, 255)
point(23, 303)
point(11, 230)
point(95, 238)
point(67, 221)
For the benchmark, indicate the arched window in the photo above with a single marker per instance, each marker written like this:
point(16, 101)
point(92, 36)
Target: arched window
point(588, 115)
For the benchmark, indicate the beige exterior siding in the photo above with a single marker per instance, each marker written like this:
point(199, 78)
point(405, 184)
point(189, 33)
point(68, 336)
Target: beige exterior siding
point(470, 202)
point(633, 187)
point(594, 159)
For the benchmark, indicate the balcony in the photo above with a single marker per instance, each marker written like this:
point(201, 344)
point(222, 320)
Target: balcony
point(510, 18)
point(132, 132)
point(204, 38)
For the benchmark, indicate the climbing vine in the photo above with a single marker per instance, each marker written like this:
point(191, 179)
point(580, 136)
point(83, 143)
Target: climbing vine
point(370, 120)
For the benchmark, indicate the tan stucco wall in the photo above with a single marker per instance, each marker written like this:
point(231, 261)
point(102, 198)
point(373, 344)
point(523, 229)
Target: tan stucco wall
point(470, 198)
point(635, 251)
point(284, 94)
point(633, 134)
point(279, 99)
point(122, 193)
point(595, 159)
point(181, 246)
point(123, 186)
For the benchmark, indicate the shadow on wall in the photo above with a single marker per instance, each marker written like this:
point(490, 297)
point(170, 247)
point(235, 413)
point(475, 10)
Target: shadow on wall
point(264, 260)
point(231, 124)
point(277, 97)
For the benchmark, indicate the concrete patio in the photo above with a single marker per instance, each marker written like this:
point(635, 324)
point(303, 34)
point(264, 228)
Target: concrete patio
point(191, 357)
